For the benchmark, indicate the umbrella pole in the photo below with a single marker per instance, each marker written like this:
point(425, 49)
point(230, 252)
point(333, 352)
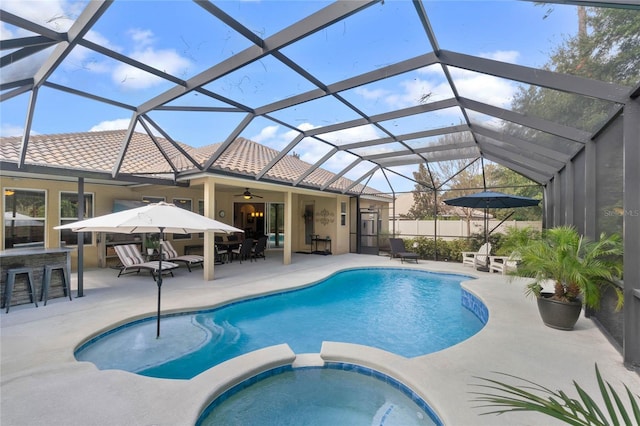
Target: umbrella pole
point(159, 281)
point(485, 267)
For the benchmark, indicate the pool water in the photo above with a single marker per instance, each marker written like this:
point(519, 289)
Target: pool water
point(404, 311)
point(319, 397)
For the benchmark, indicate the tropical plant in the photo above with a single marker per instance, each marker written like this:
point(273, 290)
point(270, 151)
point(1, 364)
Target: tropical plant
point(529, 396)
point(152, 243)
point(514, 238)
point(578, 267)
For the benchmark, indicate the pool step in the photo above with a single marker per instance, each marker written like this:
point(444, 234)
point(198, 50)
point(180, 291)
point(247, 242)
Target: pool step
point(308, 360)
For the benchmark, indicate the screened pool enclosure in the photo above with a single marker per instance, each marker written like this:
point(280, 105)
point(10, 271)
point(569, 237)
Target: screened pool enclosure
point(363, 92)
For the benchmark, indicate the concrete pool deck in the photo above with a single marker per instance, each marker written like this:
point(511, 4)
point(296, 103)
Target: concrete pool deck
point(42, 383)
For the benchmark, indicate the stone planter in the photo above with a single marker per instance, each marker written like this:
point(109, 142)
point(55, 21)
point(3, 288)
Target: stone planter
point(556, 314)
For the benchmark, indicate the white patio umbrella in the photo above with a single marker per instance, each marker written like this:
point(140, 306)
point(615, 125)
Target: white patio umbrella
point(156, 217)
point(19, 219)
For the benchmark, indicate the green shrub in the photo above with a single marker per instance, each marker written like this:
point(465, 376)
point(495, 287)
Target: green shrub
point(456, 247)
point(514, 238)
point(447, 250)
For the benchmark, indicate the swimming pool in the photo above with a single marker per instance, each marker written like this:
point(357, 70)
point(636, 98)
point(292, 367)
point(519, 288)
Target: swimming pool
point(336, 394)
point(404, 311)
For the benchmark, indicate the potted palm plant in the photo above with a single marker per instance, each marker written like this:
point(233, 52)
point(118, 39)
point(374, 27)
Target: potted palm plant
point(152, 244)
point(578, 269)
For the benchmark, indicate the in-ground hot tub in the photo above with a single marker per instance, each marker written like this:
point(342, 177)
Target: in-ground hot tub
point(335, 394)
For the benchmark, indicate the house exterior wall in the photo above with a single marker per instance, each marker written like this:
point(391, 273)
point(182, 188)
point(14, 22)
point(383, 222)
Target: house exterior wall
point(326, 212)
point(103, 196)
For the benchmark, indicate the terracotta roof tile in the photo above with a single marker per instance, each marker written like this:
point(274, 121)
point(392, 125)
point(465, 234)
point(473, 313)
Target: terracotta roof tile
point(99, 151)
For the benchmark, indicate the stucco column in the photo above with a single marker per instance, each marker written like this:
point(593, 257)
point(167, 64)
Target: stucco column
point(210, 212)
point(288, 227)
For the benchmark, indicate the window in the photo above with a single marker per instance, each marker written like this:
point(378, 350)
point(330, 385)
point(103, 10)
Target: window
point(69, 214)
point(201, 211)
point(24, 217)
point(183, 203)
point(343, 214)
point(150, 199)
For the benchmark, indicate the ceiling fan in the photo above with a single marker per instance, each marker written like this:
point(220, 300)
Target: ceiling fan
point(247, 195)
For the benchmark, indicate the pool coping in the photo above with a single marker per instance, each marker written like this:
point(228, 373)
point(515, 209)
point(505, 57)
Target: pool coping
point(42, 383)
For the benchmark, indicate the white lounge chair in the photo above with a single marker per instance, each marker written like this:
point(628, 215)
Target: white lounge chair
point(132, 261)
point(170, 254)
point(479, 258)
point(503, 264)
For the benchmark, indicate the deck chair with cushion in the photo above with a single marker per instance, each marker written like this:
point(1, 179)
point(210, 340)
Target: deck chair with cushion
point(478, 258)
point(132, 261)
point(399, 251)
point(244, 251)
point(170, 254)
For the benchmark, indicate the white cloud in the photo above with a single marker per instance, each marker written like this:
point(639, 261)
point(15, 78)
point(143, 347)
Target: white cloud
point(5, 32)
point(353, 134)
point(411, 91)
point(306, 126)
point(141, 37)
point(117, 124)
point(54, 14)
point(510, 56)
point(266, 134)
point(271, 137)
point(372, 95)
point(484, 88)
point(167, 60)
point(59, 15)
point(341, 159)
point(7, 130)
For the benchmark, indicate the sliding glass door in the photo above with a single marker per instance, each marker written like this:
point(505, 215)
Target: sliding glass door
point(275, 224)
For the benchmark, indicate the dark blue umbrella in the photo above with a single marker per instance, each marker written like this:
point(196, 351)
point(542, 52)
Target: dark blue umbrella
point(492, 200)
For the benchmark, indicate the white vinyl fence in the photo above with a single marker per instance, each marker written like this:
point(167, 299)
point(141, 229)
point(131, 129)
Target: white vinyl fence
point(453, 229)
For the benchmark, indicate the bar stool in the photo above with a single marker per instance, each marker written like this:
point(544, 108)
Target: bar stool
point(46, 281)
point(11, 279)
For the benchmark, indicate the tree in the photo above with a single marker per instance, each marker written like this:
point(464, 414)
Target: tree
point(452, 174)
point(510, 182)
point(423, 195)
point(606, 48)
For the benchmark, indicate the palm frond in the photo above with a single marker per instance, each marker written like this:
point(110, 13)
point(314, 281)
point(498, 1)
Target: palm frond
point(500, 397)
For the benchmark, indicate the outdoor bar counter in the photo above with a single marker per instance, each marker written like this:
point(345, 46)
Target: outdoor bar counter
point(36, 259)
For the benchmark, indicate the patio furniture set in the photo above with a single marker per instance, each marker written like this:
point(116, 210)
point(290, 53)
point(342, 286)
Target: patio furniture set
point(132, 261)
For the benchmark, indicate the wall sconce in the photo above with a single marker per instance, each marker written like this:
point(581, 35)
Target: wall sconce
point(257, 214)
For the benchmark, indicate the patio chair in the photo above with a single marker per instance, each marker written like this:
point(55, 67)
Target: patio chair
point(479, 258)
point(132, 261)
point(221, 253)
point(503, 264)
point(170, 254)
point(244, 251)
point(398, 250)
point(259, 249)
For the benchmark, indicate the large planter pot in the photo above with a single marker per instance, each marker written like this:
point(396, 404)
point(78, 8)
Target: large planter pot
point(556, 314)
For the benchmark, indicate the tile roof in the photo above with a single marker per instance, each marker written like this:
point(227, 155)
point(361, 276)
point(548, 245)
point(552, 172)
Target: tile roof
point(99, 152)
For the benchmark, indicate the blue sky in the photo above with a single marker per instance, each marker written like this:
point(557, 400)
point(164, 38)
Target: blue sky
point(180, 38)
